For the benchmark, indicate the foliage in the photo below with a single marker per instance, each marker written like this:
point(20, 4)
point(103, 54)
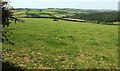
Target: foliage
point(6, 13)
point(6, 19)
point(101, 17)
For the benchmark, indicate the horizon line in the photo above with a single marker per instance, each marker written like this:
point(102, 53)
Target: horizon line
point(69, 8)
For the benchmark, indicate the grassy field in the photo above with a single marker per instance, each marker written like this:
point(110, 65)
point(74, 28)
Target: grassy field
point(44, 43)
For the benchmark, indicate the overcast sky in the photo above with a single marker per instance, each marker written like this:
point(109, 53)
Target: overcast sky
point(79, 4)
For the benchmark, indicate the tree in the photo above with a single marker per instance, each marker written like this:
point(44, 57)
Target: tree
point(6, 17)
point(6, 13)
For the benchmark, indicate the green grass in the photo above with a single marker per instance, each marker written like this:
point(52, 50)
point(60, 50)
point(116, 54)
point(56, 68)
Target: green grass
point(44, 43)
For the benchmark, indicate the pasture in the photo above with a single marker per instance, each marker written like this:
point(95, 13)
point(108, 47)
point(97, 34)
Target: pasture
point(45, 44)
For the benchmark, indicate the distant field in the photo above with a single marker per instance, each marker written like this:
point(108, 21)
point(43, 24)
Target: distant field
point(55, 12)
point(44, 43)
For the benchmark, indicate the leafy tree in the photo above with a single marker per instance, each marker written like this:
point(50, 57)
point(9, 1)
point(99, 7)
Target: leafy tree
point(6, 13)
point(6, 18)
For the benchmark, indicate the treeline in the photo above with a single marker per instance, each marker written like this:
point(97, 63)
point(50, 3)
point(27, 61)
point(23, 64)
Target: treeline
point(100, 17)
point(38, 15)
point(61, 12)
